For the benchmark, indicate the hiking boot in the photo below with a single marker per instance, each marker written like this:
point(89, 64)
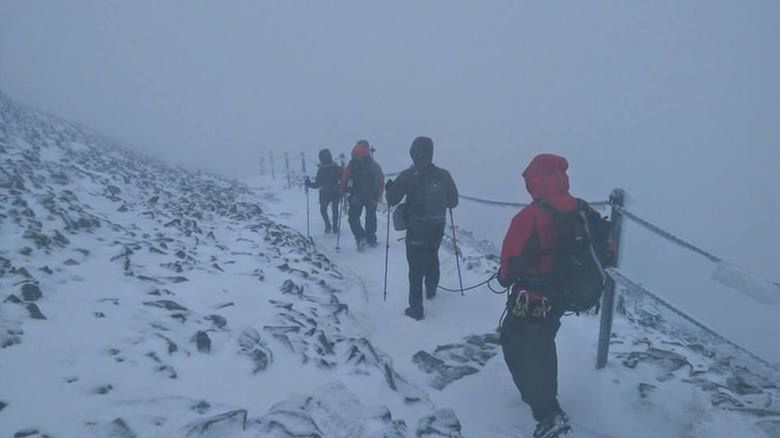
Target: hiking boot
point(361, 245)
point(556, 426)
point(430, 293)
point(328, 230)
point(414, 313)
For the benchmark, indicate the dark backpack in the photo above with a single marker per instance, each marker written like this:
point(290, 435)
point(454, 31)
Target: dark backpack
point(428, 197)
point(365, 182)
point(580, 254)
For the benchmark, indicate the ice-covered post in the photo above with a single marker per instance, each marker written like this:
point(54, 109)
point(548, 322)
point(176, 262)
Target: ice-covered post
point(287, 167)
point(616, 199)
point(262, 164)
point(303, 162)
point(273, 168)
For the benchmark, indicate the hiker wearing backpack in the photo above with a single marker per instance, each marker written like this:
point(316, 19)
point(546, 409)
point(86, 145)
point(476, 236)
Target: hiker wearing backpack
point(429, 192)
point(327, 180)
point(364, 183)
point(549, 258)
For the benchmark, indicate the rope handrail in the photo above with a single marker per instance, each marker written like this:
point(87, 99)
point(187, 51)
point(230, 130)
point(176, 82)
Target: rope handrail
point(667, 235)
point(519, 204)
point(619, 277)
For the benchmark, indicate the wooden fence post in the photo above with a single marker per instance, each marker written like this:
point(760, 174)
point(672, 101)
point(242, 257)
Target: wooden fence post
point(287, 167)
point(303, 162)
point(616, 199)
point(273, 168)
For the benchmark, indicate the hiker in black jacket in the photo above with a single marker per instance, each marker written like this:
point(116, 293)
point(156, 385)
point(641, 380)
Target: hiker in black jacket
point(328, 177)
point(429, 192)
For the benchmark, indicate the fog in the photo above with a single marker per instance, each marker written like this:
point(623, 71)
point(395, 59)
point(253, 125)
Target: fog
point(677, 102)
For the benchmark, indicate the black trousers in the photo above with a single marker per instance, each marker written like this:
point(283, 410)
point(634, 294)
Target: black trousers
point(333, 202)
point(530, 353)
point(422, 254)
point(356, 207)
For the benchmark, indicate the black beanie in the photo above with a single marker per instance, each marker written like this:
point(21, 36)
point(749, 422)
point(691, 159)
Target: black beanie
point(326, 157)
point(422, 151)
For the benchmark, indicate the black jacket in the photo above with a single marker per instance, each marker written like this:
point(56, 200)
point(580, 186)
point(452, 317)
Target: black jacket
point(328, 177)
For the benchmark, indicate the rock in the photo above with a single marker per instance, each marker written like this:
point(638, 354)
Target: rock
point(71, 262)
point(46, 269)
point(289, 287)
point(217, 320)
point(443, 373)
point(442, 423)
point(741, 386)
point(24, 433)
point(253, 346)
point(99, 315)
point(60, 238)
point(31, 292)
point(201, 407)
point(3, 405)
point(35, 312)
point(119, 429)
point(166, 304)
point(224, 425)
point(721, 399)
point(202, 341)
point(12, 299)
point(645, 389)
point(105, 389)
point(331, 411)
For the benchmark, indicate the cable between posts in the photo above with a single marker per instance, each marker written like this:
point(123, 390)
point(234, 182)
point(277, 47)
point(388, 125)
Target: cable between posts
point(667, 235)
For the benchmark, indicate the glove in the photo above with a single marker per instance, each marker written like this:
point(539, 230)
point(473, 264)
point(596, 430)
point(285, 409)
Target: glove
point(389, 184)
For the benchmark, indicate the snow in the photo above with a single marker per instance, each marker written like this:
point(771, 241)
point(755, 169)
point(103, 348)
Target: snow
point(181, 304)
point(755, 287)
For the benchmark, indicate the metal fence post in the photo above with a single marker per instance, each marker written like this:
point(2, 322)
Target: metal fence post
point(303, 162)
point(287, 167)
point(273, 168)
point(616, 199)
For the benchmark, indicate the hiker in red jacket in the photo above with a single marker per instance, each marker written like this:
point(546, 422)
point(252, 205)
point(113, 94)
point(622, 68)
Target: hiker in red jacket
point(533, 318)
point(364, 181)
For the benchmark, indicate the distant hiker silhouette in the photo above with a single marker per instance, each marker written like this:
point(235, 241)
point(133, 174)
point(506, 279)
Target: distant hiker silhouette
point(429, 192)
point(328, 180)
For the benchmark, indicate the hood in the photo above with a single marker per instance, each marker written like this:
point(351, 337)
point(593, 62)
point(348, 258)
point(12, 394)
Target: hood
point(361, 150)
point(422, 151)
point(545, 177)
point(326, 157)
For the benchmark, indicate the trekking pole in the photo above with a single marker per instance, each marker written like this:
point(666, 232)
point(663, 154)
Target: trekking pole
point(342, 205)
point(308, 228)
point(387, 248)
point(457, 252)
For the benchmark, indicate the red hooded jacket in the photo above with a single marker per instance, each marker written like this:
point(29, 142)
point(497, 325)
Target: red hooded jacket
point(531, 229)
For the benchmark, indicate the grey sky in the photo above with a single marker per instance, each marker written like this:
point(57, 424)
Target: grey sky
point(676, 101)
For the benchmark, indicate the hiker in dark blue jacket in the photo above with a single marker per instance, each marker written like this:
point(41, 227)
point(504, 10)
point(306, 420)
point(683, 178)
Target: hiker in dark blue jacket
point(327, 180)
point(429, 192)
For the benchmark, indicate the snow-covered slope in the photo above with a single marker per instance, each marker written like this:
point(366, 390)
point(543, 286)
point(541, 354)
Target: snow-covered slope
point(142, 300)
